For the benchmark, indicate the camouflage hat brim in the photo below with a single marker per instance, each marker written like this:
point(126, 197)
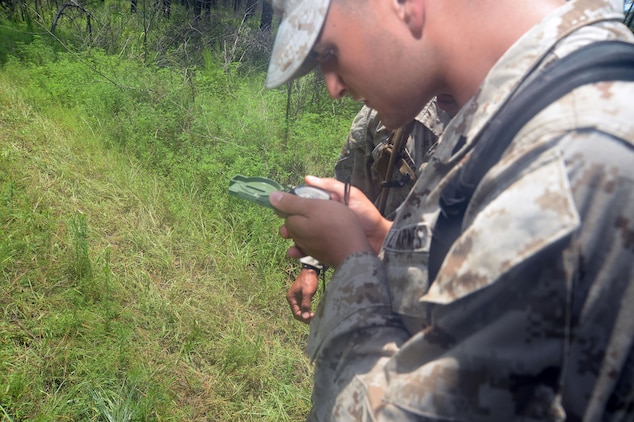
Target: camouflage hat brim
point(297, 33)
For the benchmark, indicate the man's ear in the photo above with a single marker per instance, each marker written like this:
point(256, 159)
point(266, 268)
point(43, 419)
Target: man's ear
point(412, 12)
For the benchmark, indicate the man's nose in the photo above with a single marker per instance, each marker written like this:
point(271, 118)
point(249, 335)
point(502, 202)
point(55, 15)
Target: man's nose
point(337, 88)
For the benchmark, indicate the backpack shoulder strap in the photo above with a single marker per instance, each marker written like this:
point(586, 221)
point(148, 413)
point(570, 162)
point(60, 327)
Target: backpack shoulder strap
point(398, 139)
point(597, 62)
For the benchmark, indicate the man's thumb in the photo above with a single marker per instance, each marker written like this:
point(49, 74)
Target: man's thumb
point(277, 200)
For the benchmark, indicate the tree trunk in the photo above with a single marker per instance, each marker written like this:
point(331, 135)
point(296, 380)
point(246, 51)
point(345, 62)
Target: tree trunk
point(61, 12)
point(629, 16)
point(198, 7)
point(266, 20)
point(250, 8)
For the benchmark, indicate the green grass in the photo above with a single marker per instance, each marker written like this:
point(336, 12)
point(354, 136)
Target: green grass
point(132, 287)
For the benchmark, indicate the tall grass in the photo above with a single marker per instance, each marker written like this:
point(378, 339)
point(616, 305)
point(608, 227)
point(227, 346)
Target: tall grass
point(132, 287)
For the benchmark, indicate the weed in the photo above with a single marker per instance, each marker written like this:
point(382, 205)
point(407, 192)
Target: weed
point(132, 287)
point(115, 406)
point(81, 265)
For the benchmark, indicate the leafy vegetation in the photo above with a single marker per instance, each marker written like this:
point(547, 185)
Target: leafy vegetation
point(132, 287)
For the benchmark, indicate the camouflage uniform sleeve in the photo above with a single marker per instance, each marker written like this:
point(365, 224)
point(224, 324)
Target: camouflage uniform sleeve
point(354, 146)
point(355, 160)
point(354, 330)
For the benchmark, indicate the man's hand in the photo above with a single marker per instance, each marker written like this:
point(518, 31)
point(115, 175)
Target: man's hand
point(326, 230)
point(374, 224)
point(300, 294)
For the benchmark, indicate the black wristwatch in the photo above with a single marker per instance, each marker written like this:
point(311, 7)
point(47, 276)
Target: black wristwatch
point(311, 267)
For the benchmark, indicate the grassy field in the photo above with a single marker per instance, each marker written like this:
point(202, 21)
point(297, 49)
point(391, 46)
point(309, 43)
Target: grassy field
point(132, 287)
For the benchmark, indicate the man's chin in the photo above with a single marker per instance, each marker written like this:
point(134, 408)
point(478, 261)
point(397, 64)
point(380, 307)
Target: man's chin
point(392, 121)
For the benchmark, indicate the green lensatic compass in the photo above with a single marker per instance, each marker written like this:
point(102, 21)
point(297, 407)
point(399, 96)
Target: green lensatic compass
point(258, 189)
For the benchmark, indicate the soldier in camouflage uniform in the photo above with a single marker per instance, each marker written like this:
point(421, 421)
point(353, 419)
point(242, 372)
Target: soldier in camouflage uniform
point(531, 314)
point(363, 163)
point(363, 157)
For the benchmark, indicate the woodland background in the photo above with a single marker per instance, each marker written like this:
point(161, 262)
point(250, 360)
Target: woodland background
point(132, 287)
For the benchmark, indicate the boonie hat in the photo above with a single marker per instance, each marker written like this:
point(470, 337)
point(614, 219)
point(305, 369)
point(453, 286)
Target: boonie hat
point(296, 35)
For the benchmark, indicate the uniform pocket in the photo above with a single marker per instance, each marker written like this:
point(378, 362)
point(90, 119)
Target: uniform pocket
point(527, 216)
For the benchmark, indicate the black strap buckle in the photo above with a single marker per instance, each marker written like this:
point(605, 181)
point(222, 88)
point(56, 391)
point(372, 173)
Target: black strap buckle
point(397, 183)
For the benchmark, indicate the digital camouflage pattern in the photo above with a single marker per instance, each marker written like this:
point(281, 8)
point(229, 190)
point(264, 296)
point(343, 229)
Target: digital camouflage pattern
point(296, 35)
point(531, 316)
point(364, 156)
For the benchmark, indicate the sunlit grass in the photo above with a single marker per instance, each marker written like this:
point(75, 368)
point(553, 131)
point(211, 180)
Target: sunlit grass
point(131, 286)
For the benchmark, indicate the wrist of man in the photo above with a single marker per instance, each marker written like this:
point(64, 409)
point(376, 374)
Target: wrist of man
point(377, 238)
point(311, 268)
point(310, 263)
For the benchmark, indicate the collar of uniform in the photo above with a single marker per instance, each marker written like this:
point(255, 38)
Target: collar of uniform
point(433, 118)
